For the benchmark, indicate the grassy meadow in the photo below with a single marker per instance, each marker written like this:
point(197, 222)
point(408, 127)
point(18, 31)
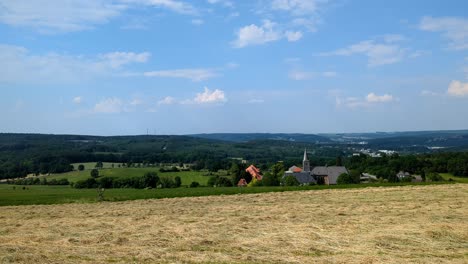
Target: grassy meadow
point(187, 177)
point(407, 224)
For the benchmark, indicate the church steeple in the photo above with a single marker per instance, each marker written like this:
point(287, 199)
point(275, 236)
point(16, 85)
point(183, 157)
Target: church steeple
point(305, 162)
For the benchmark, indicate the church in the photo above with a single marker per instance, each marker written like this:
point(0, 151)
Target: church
point(326, 174)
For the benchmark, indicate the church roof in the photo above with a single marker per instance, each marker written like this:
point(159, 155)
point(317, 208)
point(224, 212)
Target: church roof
point(295, 169)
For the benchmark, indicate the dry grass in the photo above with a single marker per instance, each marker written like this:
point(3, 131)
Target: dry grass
point(425, 224)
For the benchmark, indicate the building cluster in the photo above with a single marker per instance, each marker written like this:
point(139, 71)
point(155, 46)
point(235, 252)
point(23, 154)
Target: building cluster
point(319, 174)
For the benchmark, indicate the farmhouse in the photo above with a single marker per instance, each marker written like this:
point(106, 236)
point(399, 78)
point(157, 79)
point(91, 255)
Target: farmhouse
point(255, 172)
point(326, 174)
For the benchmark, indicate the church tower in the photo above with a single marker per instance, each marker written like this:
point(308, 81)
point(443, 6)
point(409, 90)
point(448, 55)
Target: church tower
point(305, 162)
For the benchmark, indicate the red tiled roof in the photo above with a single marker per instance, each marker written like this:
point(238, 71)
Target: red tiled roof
point(242, 182)
point(255, 172)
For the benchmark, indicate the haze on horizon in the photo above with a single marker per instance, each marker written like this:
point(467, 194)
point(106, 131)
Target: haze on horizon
point(117, 67)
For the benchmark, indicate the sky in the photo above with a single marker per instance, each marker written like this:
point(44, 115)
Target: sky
point(127, 67)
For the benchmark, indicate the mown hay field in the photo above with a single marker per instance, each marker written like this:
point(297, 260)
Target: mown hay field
point(408, 224)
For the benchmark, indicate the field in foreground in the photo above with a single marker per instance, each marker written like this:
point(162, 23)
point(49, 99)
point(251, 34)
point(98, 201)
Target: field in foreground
point(419, 224)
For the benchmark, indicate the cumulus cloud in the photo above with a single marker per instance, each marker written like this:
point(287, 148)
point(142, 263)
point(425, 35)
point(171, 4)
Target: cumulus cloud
point(209, 97)
point(167, 101)
point(378, 53)
point(293, 36)
point(458, 89)
point(195, 75)
point(373, 98)
point(256, 35)
point(77, 100)
point(109, 106)
point(455, 29)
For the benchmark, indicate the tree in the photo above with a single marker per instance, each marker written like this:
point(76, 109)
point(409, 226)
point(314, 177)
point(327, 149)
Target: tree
point(177, 181)
point(352, 177)
point(94, 173)
point(290, 181)
point(150, 179)
point(433, 176)
point(339, 161)
point(99, 165)
point(81, 167)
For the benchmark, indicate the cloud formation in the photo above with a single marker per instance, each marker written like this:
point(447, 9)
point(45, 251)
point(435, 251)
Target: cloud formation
point(77, 100)
point(209, 97)
point(378, 53)
point(20, 66)
point(195, 75)
point(453, 28)
point(458, 89)
point(109, 106)
point(369, 100)
point(51, 16)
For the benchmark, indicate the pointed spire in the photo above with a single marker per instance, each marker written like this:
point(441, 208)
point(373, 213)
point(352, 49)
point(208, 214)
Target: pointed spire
point(305, 155)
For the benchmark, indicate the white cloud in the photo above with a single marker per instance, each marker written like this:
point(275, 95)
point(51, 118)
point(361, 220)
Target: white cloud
point(373, 98)
point(378, 54)
point(197, 22)
point(225, 3)
point(109, 106)
point(52, 16)
point(428, 93)
point(173, 5)
point(78, 100)
point(195, 75)
point(166, 101)
point(308, 23)
point(293, 36)
point(209, 97)
point(58, 16)
point(136, 101)
point(256, 35)
point(297, 7)
point(453, 28)
point(20, 66)
point(117, 59)
point(370, 100)
point(298, 75)
point(458, 89)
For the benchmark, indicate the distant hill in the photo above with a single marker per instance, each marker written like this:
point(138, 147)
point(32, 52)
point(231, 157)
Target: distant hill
point(246, 137)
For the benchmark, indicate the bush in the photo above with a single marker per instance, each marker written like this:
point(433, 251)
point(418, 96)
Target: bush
point(290, 181)
point(194, 184)
point(151, 179)
point(433, 176)
point(219, 181)
point(167, 182)
point(94, 173)
point(81, 167)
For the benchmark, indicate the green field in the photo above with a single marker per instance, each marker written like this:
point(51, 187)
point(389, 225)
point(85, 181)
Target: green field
point(186, 176)
point(92, 165)
point(40, 194)
point(448, 176)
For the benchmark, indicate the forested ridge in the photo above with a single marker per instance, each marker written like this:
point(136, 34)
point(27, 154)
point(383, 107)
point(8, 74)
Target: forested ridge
point(23, 154)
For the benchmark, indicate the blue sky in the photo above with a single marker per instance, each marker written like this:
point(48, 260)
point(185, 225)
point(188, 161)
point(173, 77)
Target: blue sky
point(121, 67)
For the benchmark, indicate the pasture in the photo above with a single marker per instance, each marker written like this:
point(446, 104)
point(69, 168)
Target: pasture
point(407, 224)
point(187, 177)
